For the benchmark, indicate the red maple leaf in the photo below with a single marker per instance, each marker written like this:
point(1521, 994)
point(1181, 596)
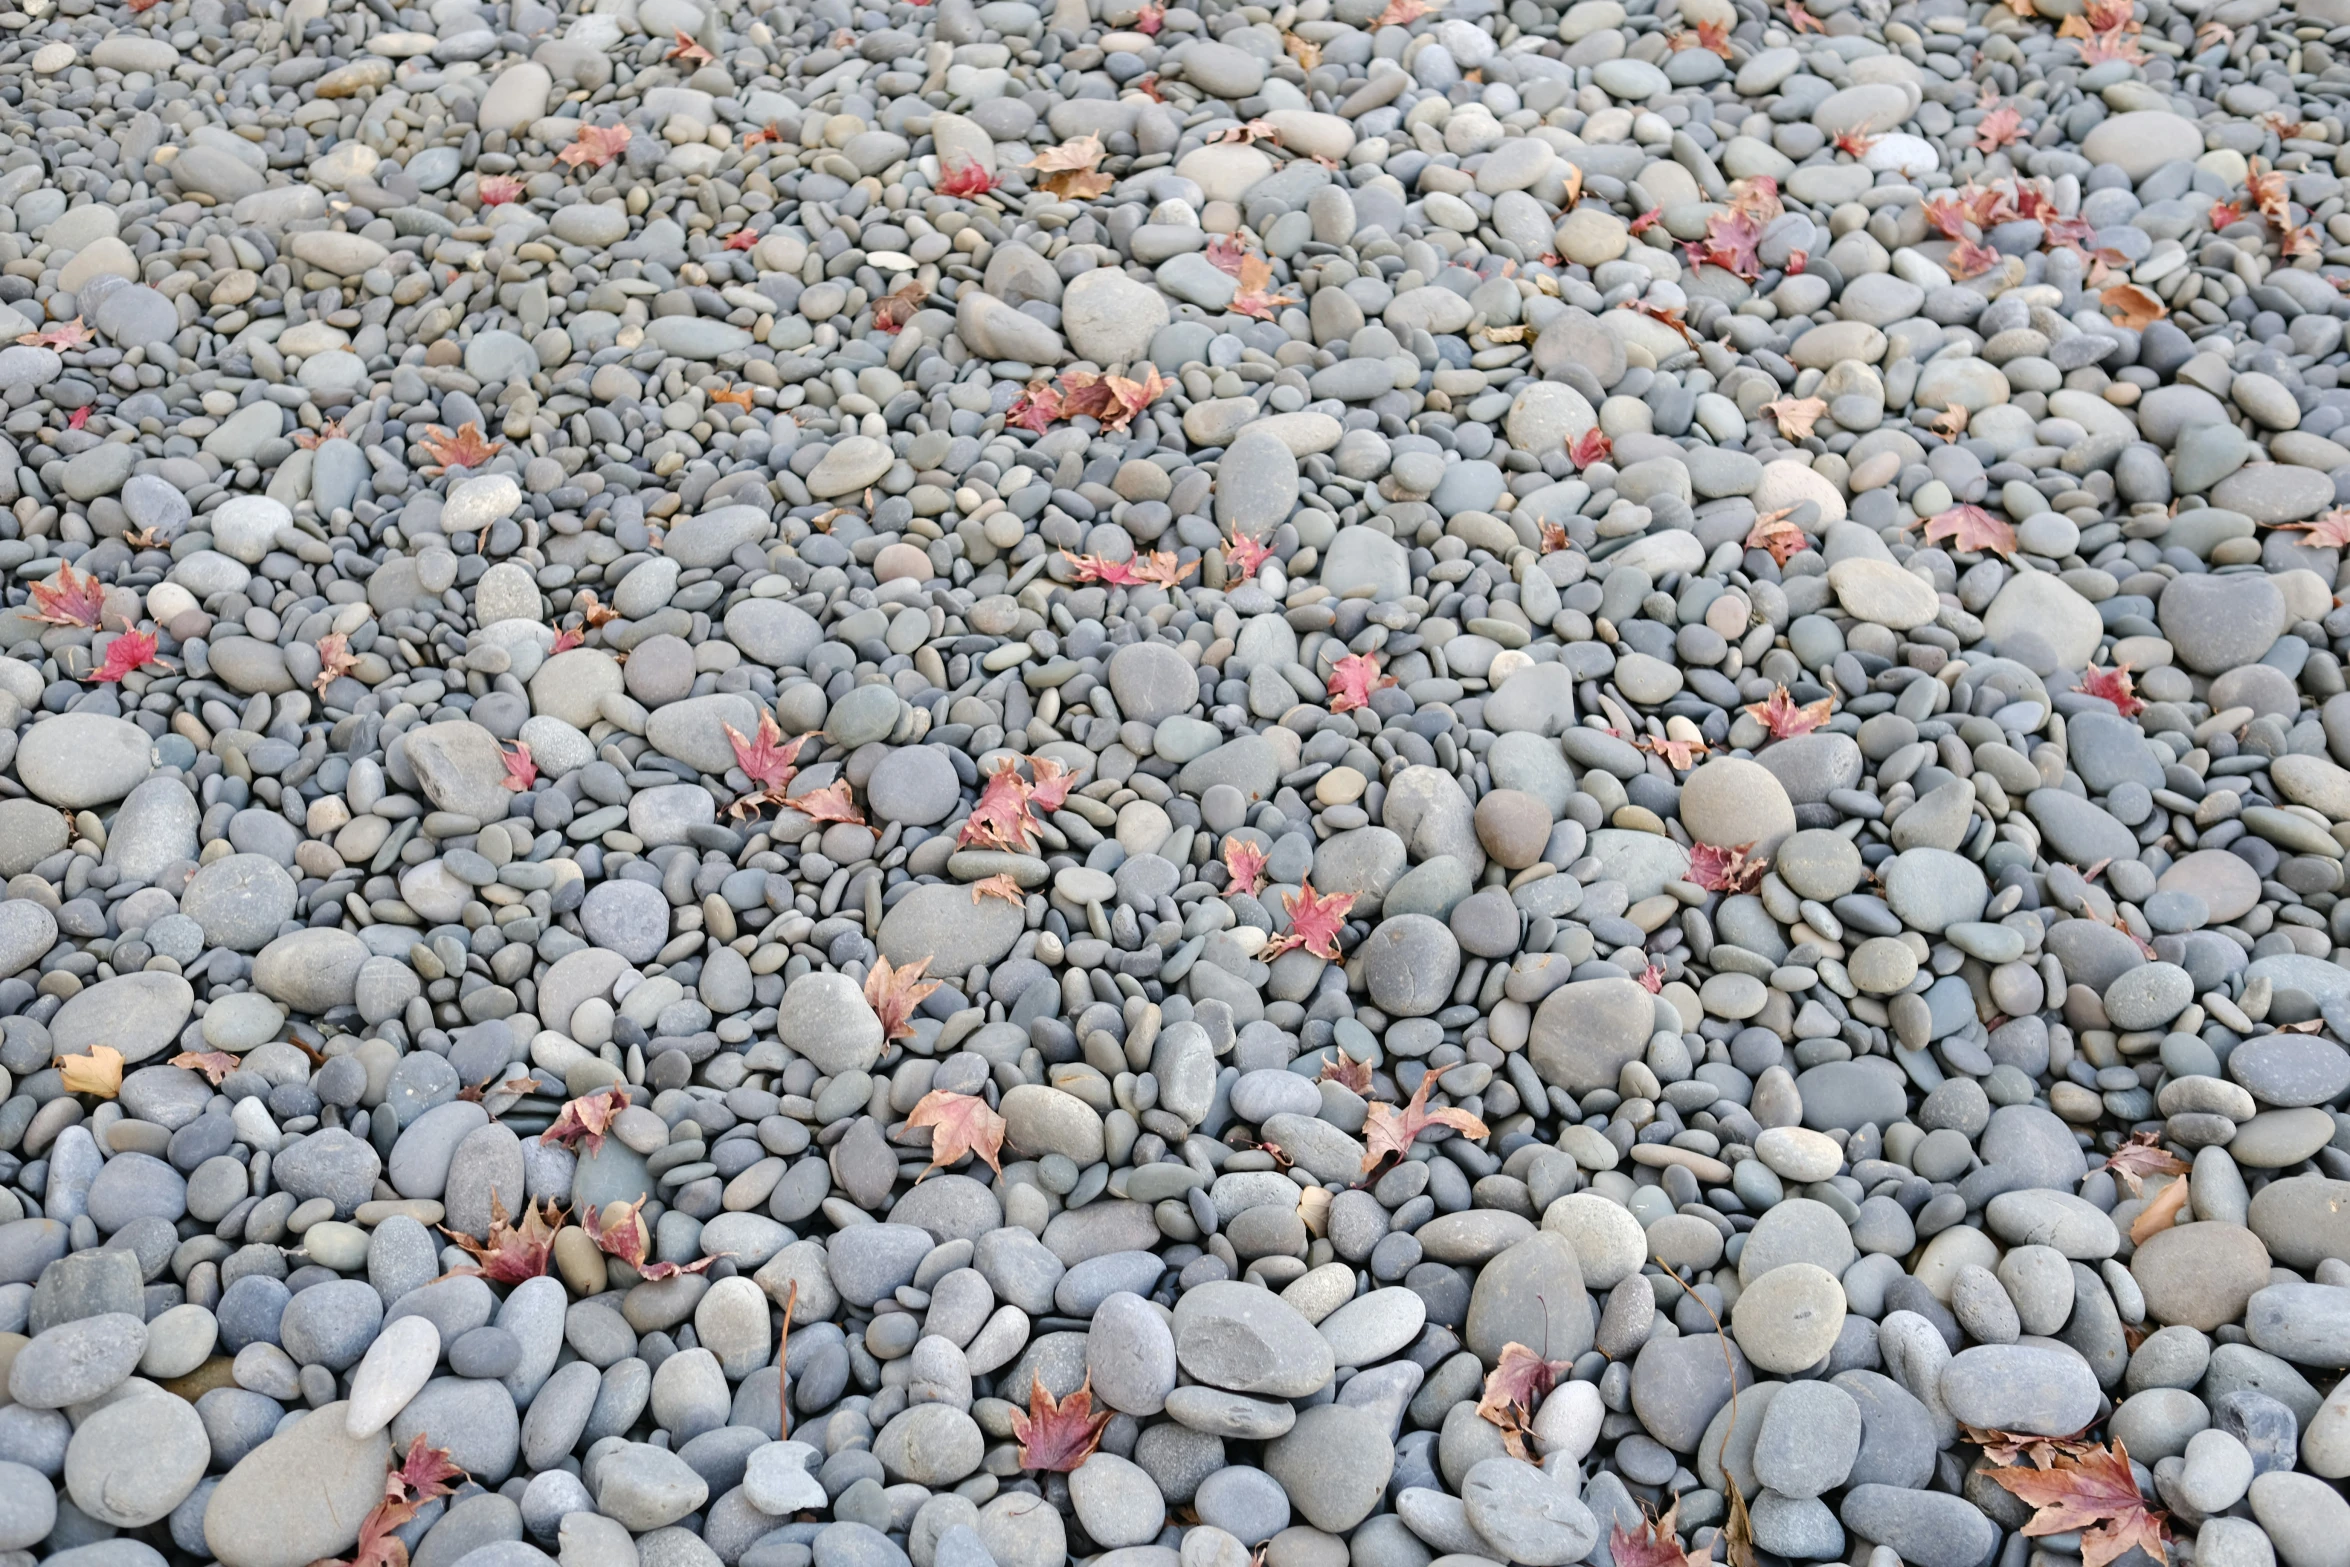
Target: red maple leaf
point(618, 1230)
point(1730, 242)
point(1652, 978)
point(1153, 17)
point(2329, 532)
point(1972, 529)
point(1001, 819)
point(76, 598)
point(2141, 1156)
point(1353, 679)
point(1999, 127)
point(1242, 556)
point(1802, 21)
point(832, 803)
point(521, 771)
point(424, 1474)
point(1314, 922)
point(513, 1252)
point(587, 1119)
point(2224, 213)
point(1388, 1133)
point(214, 1064)
point(2113, 685)
point(1591, 447)
point(1785, 719)
point(78, 418)
point(1256, 297)
point(1653, 1543)
point(467, 448)
point(1647, 220)
point(959, 1124)
point(71, 334)
point(766, 761)
point(894, 993)
point(1712, 36)
point(1725, 870)
point(595, 146)
point(1112, 400)
point(1970, 258)
point(1244, 864)
point(335, 660)
point(965, 179)
point(1680, 755)
point(1515, 1389)
point(1949, 215)
point(1158, 569)
point(1051, 783)
point(129, 651)
point(1225, 254)
point(495, 190)
point(1058, 1434)
point(567, 639)
point(2094, 1494)
point(998, 886)
point(742, 239)
point(1773, 532)
point(1854, 143)
point(1037, 408)
point(1347, 1073)
point(686, 49)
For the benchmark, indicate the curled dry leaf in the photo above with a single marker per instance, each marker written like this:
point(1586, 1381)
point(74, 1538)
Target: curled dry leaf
point(1680, 755)
point(1653, 1544)
point(965, 179)
point(1158, 569)
point(1314, 922)
point(513, 1252)
point(335, 660)
point(1950, 423)
point(74, 598)
point(214, 1064)
point(2141, 1156)
point(1388, 1133)
point(1242, 556)
point(2132, 306)
point(767, 762)
point(1773, 531)
point(495, 190)
point(1002, 886)
point(1514, 1389)
point(2001, 126)
point(1058, 1434)
point(1307, 55)
point(1348, 1073)
point(1256, 297)
point(1726, 870)
point(894, 993)
point(69, 334)
point(2094, 1494)
point(959, 1124)
point(587, 1119)
point(1591, 447)
point(2113, 685)
point(1970, 258)
point(595, 146)
point(1785, 718)
point(1797, 415)
point(521, 771)
point(2161, 1212)
point(99, 1072)
point(1970, 528)
point(1730, 242)
point(2329, 532)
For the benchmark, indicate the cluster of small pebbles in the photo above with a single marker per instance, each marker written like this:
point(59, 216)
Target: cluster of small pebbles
point(1758, 581)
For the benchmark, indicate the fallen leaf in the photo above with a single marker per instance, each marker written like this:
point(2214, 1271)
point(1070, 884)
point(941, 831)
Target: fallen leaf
point(618, 1230)
point(1402, 13)
point(1647, 220)
point(1730, 242)
point(1051, 783)
point(2113, 685)
point(1674, 316)
point(742, 239)
point(71, 334)
point(1001, 819)
point(2092, 1493)
point(590, 611)
point(1314, 922)
point(1554, 537)
point(1242, 556)
point(2226, 213)
point(521, 771)
point(1058, 1434)
point(425, 1472)
point(1246, 132)
point(894, 993)
point(766, 761)
point(587, 1119)
point(1781, 715)
point(2132, 306)
point(1801, 21)
point(1158, 569)
point(1514, 1389)
point(1111, 400)
point(1307, 55)
point(773, 133)
point(467, 448)
point(1680, 755)
point(1725, 870)
point(1773, 531)
point(513, 1252)
point(959, 1124)
point(1256, 297)
point(1152, 18)
point(1971, 528)
point(1653, 1543)
point(687, 49)
point(831, 803)
point(1388, 1133)
point(1796, 415)
point(1353, 679)
point(2160, 1213)
point(1244, 866)
point(1591, 447)
point(2141, 1156)
point(1758, 197)
point(75, 598)
point(1970, 258)
point(1950, 423)
point(595, 146)
point(99, 1072)
point(1711, 36)
point(1347, 1072)
point(130, 651)
point(214, 1064)
point(1999, 127)
point(966, 179)
point(1002, 886)
point(1854, 143)
point(1080, 155)
point(1652, 978)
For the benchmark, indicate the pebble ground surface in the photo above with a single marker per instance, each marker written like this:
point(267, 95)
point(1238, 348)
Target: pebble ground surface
point(1580, 763)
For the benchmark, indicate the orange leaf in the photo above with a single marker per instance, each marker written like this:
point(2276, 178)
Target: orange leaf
point(959, 1124)
point(1796, 415)
point(99, 1072)
point(1515, 1389)
point(1389, 1133)
point(130, 651)
point(2161, 1213)
point(495, 190)
point(1725, 870)
point(468, 448)
point(1314, 922)
point(1003, 887)
point(1307, 55)
point(595, 146)
point(521, 771)
point(75, 599)
point(70, 335)
point(686, 49)
point(1714, 36)
point(1784, 719)
point(2000, 127)
point(736, 396)
point(513, 1252)
point(2094, 1494)
point(587, 1118)
point(335, 660)
point(1971, 528)
point(2141, 1156)
point(1680, 755)
point(832, 803)
point(1058, 1435)
point(214, 1064)
point(1353, 679)
point(593, 613)
point(1244, 865)
point(2113, 685)
point(1772, 531)
point(894, 993)
point(1347, 1072)
point(2132, 306)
